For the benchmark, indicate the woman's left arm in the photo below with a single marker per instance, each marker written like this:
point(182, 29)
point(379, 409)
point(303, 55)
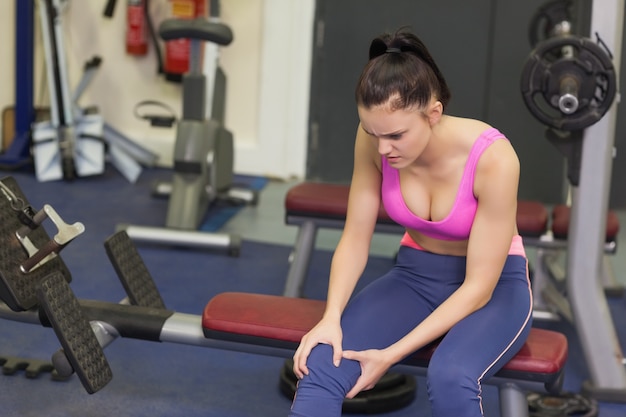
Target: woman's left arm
point(495, 186)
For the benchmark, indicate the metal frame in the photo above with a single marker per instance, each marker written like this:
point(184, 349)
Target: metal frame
point(591, 315)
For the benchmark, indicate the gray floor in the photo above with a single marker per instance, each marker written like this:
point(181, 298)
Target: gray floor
point(266, 223)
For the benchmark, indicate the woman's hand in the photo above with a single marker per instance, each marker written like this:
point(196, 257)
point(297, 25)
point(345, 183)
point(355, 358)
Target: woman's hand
point(327, 331)
point(374, 364)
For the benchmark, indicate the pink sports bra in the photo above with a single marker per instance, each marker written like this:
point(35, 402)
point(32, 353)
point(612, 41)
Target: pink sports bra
point(458, 223)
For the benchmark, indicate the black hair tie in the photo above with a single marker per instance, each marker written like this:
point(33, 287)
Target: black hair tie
point(377, 48)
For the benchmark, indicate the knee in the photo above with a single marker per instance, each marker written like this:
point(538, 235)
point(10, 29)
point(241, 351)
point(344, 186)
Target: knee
point(325, 376)
point(322, 391)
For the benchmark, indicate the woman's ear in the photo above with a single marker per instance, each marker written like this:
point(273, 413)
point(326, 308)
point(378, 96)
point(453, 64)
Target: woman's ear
point(435, 111)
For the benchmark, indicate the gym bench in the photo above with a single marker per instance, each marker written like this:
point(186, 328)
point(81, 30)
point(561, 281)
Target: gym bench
point(280, 322)
point(261, 324)
point(316, 205)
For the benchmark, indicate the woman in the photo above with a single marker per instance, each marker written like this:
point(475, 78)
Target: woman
point(461, 271)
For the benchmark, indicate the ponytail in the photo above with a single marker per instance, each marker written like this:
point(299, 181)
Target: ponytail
point(402, 68)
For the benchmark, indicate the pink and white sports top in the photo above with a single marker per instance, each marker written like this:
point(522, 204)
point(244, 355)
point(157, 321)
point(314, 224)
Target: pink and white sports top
point(458, 223)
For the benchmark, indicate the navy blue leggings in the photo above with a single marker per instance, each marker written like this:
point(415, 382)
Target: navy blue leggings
point(391, 306)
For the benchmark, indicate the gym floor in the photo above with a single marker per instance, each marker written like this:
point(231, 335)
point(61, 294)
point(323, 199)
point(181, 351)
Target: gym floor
point(153, 379)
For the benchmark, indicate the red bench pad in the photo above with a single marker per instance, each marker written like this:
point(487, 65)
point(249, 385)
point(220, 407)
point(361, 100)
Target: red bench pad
point(315, 199)
point(532, 218)
point(258, 315)
point(560, 223)
point(258, 318)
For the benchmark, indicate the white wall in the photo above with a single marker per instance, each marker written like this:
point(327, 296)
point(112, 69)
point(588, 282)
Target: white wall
point(268, 77)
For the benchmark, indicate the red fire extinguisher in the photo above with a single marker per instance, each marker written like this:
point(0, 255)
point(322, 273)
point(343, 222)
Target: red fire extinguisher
point(136, 30)
point(177, 51)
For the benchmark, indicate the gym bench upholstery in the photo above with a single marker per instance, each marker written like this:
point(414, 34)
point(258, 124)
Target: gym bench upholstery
point(560, 223)
point(278, 323)
point(317, 205)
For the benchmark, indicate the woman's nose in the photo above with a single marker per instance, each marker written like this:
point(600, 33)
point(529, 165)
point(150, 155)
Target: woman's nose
point(384, 146)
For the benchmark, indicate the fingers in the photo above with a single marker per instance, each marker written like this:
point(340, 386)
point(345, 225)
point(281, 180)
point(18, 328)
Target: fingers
point(337, 355)
point(361, 385)
point(299, 362)
point(300, 369)
point(302, 353)
point(368, 379)
point(350, 354)
point(353, 392)
point(358, 386)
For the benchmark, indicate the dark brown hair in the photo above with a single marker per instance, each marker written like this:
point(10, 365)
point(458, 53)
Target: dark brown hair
point(400, 65)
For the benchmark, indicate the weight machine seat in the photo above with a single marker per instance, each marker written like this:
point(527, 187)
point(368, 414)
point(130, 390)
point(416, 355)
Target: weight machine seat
point(277, 321)
point(317, 199)
point(325, 201)
point(561, 217)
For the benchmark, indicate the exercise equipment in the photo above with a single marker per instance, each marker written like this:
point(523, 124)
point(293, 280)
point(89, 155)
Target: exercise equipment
point(569, 82)
point(262, 324)
point(70, 144)
point(74, 141)
point(554, 18)
point(204, 150)
point(567, 404)
point(32, 368)
point(577, 80)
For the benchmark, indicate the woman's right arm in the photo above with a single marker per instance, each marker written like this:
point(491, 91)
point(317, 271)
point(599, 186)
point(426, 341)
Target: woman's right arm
point(350, 256)
point(352, 251)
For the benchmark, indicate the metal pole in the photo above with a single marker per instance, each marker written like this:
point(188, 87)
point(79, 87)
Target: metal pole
point(19, 150)
point(593, 321)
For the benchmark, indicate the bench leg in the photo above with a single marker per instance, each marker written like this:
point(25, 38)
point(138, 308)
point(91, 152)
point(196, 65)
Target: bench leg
point(513, 402)
point(539, 279)
point(300, 258)
point(542, 281)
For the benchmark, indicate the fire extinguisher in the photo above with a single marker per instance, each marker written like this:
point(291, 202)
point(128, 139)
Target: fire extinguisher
point(176, 61)
point(136, 30)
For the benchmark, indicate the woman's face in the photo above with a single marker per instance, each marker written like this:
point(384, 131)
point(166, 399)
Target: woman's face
point(399, 135)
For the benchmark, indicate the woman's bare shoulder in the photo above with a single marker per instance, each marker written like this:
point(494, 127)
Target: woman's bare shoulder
point(466, 130)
